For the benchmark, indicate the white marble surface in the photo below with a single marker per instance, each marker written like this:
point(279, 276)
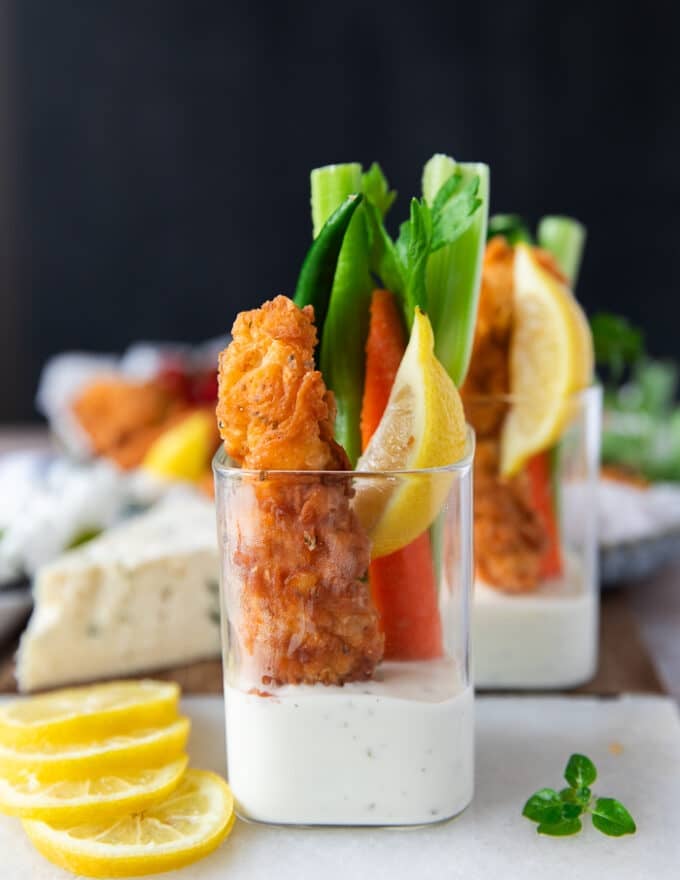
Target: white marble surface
point(522, 745)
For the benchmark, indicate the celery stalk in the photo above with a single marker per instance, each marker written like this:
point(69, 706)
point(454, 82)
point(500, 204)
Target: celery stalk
point(565, 238)
point(454, 272)
point(330, 187)
point(344, 333)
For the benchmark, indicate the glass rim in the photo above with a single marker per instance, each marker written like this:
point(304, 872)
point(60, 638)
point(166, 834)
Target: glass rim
point(592, 392)
point(220, 468)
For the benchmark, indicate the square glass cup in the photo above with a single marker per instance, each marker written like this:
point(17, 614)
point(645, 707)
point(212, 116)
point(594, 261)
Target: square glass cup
point(346, 673)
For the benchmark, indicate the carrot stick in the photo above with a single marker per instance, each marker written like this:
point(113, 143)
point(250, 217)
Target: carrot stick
point(385, 348)
point(403, 584)
point(542, 496)
point(404, 590)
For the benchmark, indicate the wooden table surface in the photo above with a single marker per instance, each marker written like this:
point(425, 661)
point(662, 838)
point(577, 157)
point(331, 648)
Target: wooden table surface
point(625, 663)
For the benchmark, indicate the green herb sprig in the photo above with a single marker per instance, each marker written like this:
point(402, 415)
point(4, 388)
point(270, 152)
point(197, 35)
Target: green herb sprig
point(558, 813)
point(618, 344)
point(401, 265)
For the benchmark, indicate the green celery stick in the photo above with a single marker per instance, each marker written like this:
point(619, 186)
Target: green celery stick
point(565, 239)
point(454, 272)
point(330, 187)
point(344, 333)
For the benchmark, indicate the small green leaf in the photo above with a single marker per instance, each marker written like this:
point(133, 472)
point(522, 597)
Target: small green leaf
point(83, 537)
point(571, 811)
point(456, 216)
point(612, 818)
point(447, 190)
point(413, 248)
point(375, 187)
point(583, 795)
point(576, 795)
point(580, 771)
point(617, 343)
point(544, 806)
point(402, 243)
point(563, 828)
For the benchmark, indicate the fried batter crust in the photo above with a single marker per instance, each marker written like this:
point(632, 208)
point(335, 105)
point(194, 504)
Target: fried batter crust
point(298, 553)
point(508, 535)
point(489, 373)
point(274, 410)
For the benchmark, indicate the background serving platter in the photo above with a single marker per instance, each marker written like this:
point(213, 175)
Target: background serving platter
point(631, 562)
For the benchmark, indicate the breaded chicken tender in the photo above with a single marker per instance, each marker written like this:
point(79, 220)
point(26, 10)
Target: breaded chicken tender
point(122, 418)
point(489, 373)
point(274, 410)
point(297, 552)
point(508, 535)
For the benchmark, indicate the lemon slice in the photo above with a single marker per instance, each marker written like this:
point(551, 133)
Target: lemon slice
point(190, 823)
point(134, 750)
point(89, 799)
point(423, 426)
point(76, 714)
point(183, 452)
point(551, 357)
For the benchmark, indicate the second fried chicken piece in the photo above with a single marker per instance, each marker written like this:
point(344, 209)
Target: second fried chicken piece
point(488, 379)
point(122, 418)
point(298, 556)
point(508, 535)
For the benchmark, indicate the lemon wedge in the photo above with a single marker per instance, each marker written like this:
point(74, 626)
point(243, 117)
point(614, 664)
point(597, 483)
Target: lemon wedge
point(551, 358)
point(89, 799)
point(77, 714)
point(423, 426)
point(183, 452)
point(187, 825)
point(133, 750)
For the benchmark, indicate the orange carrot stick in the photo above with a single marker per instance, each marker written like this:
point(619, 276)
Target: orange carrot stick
point(385, 347)
point(403, 584)
point(542, 496)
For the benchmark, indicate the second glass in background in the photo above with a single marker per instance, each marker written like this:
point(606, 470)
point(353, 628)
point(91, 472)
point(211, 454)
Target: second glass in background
point(536, 593)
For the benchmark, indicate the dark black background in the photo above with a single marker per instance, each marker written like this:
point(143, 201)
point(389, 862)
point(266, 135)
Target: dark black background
point(157, 153)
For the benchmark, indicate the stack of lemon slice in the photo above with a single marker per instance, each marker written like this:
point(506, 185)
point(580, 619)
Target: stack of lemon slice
point(99, 777)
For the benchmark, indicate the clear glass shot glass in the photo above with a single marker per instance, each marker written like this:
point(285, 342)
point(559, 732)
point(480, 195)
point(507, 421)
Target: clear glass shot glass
point(346, 677)
point(536, 591)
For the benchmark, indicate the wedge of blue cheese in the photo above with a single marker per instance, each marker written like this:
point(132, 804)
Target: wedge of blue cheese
point(143, 596)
